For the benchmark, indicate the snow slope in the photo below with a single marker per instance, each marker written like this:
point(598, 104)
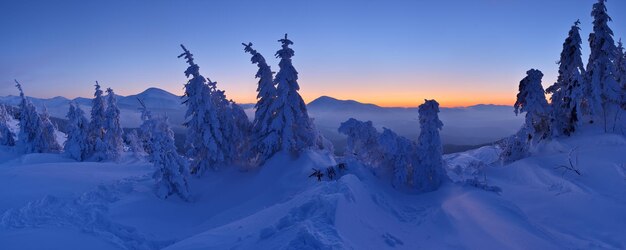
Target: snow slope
point(66, 204)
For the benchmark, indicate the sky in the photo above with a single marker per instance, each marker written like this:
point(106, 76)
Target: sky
point(390, 53)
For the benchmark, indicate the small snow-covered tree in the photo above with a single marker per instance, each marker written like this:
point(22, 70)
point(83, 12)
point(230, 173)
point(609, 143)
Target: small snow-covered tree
point(295, 129)
point(400, 154)
point(171, 168)
point(33, 136)
point(48, 132)
point(97, 147)
point(429, 174)
point(205, 141)
point(265, 139)
point(532, 100)
point(363, 143)
point(76, 145)
point(135, 144)
point(567, 92)
point(604, 92)
point(7, 137)
point(112, 128)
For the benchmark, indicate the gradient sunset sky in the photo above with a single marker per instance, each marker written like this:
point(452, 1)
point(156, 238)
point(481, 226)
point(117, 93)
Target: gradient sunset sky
point(391, 53)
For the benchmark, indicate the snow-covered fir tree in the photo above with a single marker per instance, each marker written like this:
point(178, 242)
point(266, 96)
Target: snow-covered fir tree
point(7, 137)
point(205, 142)
point(567, 92)
point(48, 132)
point(97, 147)
point(429, 174)
point(295, 129)
point(363, 143)
point(265, 139)
point(112, 129)
point(171, 168)
point(234, 125)
point(604, 92)
point(76, 145)
point(32, 138)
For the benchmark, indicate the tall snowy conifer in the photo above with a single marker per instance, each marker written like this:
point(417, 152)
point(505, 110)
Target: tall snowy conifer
point(97, 147)
point(429, 175)
point(603, 89)
point(112, 128)
point(205, 142)
point(567, 92)
point(76, 145)
point(292, 122)
point(7, 137)
point(265, 139)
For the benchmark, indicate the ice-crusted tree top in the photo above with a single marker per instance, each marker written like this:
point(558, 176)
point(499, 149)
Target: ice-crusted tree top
point(601, 40)
point(531, 97)
point(428, 115)
point(19, 87)
point(571, 56)
point(193, 68)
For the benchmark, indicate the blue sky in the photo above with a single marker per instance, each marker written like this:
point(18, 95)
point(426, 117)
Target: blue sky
point(393, 53)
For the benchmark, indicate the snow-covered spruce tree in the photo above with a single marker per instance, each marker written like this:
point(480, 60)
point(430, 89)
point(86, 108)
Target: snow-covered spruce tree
point(603, 90)
point(429, 174)
point(76, 145)
point(362, 142)
point(95, 138)
point(31, 137)
point(265, 139)
point(567, 92)
point(112, 129)
point(48, 132)
point(295, 129)
point(171, 168)
point(7, 137)
point(400, 155)
point(205, 142)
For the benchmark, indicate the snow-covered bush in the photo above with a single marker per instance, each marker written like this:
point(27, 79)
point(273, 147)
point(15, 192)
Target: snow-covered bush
point(76, 145)
point(362, 142)
point(567, 92)
point(400, 155)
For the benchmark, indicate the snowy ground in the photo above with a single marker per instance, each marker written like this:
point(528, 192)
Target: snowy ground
point(48, 201)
